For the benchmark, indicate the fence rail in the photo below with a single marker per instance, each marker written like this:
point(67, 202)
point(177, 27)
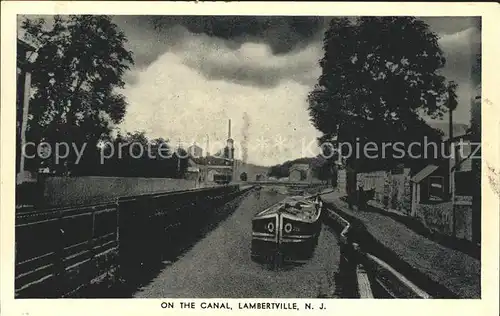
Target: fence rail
point(370, 269)
point(60, 250)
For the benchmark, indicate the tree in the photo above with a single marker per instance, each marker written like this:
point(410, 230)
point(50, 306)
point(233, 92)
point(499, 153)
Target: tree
point(280, 171)
point(80, 64)
point(134, 155)
point(243, 176)
point(378, 75)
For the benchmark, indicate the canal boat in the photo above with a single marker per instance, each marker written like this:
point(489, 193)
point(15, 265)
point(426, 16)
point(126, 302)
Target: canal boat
point(289, 229)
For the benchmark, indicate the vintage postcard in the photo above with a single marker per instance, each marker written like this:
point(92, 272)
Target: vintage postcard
point(249, 157)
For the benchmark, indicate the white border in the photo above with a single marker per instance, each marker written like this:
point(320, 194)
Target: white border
point(488, 305)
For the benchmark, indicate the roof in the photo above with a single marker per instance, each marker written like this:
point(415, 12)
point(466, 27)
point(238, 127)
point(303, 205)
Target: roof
point(465, 137)
point(424, 173)
point(194, 146)
point(459, 129)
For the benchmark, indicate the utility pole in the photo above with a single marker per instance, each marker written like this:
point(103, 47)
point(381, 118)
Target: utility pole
point(476, 169)
point(230, 151)
point(208, 146)
point(206, 159)
point(179, 158)
point(452, 105)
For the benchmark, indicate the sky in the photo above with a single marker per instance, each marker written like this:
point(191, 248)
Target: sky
point(192, 74)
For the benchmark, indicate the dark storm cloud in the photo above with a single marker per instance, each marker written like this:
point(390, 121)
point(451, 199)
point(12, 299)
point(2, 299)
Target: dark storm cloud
point(460, 39)
point(152, 36)
point(461, 51)
point(298, 67)
point(196, 36)
point(282, 33)
point(146, 43)
point(451, 25)
point(287, 34)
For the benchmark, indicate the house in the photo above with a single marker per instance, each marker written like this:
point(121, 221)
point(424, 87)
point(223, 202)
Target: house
point(427, 185)
point(296, 175)
point(300, 172)
point(210, 166)
point(461, 165)
point(461, 145)
point(193, 173)
point(252, 171)
point(195, 151)
point(261, 177)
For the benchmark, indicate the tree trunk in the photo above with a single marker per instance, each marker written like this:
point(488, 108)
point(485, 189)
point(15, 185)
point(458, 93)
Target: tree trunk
point(351, 185)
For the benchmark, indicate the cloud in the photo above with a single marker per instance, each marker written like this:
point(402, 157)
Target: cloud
point(451, 25)
point(174, 100)
point(252, 63)
point(193, 73)
point(222, 50)
point(188, 85)
point(460, 50)
point(282, 34)
point(145, 42)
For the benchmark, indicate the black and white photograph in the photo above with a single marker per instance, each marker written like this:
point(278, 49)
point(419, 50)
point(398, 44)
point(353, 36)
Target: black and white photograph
point(248, 156)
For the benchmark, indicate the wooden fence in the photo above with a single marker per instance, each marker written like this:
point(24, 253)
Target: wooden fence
point(62, 250)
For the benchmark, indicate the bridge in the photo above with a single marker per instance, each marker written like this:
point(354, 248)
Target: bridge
point(196, 243)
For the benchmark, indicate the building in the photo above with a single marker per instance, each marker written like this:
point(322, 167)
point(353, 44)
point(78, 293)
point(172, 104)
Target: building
point(193, 173)
point(251, 171)
point(476, 167)
point(261, 177)
point(195, 151)
point(454, 208)
point(427, 185)
point(300, 172)
point(296, 175)
point(209, 167)
point(461, 144)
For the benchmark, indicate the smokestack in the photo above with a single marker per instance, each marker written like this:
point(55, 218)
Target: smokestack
point(230, 144)
point(208, 146)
